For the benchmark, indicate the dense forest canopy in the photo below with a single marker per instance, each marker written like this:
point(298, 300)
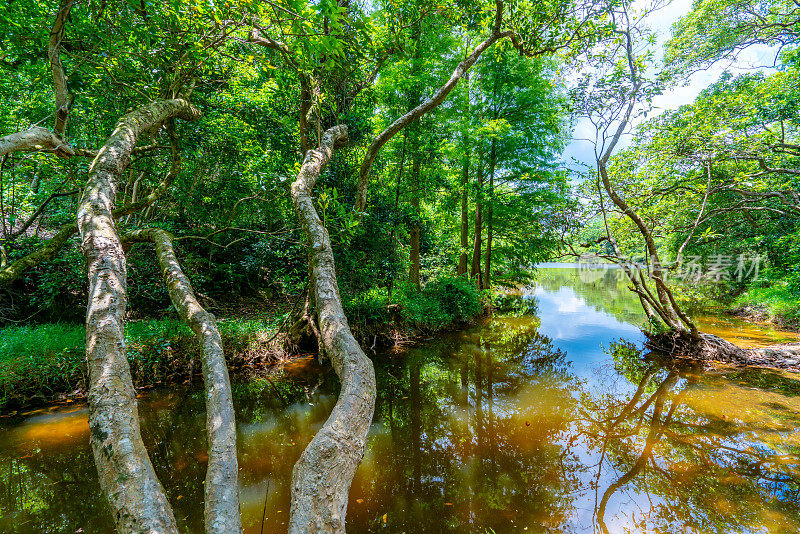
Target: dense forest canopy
point(384, 162)
point(268, 80)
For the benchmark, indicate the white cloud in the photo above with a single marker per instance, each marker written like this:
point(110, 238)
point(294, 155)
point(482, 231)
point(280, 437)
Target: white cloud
point(753, 58)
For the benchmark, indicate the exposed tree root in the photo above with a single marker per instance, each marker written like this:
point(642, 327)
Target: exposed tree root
point(711, 348)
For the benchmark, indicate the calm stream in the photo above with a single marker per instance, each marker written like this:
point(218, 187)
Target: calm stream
point(548, 421)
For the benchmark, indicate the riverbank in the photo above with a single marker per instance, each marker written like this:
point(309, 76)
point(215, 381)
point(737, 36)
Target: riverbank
point(765, 301)
point(775, 304)
point(45, 363)
point(536, 389)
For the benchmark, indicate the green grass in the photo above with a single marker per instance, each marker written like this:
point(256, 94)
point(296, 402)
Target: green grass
point(38, 362)
point(779, 301)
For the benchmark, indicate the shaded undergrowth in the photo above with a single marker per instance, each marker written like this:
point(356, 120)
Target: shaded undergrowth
point(47, 362)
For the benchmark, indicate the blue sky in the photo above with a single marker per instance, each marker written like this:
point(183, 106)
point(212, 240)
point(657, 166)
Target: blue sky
point(661, 22)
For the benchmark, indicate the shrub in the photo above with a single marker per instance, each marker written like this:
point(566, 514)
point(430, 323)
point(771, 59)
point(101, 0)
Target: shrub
point(513, 304)
point(441, 303)
point(368, 307)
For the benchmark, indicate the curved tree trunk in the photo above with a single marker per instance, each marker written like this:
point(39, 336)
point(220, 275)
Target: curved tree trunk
point(222, 515)
point(323, 474)
point(126, 474)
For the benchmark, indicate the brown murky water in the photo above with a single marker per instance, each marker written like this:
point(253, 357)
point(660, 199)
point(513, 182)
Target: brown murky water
point(552, 422)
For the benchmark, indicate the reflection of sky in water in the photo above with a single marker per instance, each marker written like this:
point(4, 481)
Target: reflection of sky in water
point(481, 431)
point(579, 328)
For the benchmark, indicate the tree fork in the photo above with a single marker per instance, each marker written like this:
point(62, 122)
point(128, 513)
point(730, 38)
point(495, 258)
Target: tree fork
point(63, 98)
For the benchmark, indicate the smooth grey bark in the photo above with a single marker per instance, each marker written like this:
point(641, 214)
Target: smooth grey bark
point(222, 513)
point(34, 139)
point(126, 475)
point(322, 476)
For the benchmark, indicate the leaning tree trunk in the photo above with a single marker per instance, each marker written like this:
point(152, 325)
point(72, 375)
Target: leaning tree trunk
point(431, 103)
point(323, 474)
point(126, 474)
point(222, 515)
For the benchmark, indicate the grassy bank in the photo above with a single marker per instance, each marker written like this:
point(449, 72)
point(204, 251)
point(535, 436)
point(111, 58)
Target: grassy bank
point(46, 362)
point(773, 301)
point(42, 363)
point(445, 303)
point(766, 300)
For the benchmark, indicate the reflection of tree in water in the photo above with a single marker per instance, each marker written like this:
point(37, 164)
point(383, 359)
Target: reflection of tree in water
point(602, 289)
point(36, 489)
point(48, 482)
point(482, 431)
point(471, 441)
point(690, 471)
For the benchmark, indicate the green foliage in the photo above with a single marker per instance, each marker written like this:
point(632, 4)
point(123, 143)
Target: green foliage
point(718, 29)
point(229, 206)
point(513, 304)
point(40, 361)
point(369, 307)
point(772, 298)
point(441, 303)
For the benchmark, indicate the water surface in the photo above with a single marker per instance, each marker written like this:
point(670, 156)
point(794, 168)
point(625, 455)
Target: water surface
point(546, 422)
